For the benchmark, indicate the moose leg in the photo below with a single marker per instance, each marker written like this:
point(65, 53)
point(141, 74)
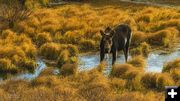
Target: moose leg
point(114, 55)
point(126, 51)
point(125, 54)
point(102, 54)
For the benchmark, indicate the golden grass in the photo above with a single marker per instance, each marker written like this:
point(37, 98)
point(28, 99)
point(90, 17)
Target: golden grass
point(120, 70)
point(6, 66)
point(173, 68)
point(101, 66)
point(138, 62)
point(69, 69)
point(172, 65)
point(138, 38)
point(118, 84)
point(17, 52)
point(87, 44)
point(63, 57)
point(95, 91)
point(143, 49)
point(132, 75)
point(3, 95)
point(48, 81)
point(80, 24)
point(138, 96)
point(57, 34)
point(157, 81)
point(50, 50)
point(175, 73)
point(163, 37)
point(43, 38)
point(88, 85)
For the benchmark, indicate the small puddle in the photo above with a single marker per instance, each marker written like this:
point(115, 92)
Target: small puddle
point(155, 61)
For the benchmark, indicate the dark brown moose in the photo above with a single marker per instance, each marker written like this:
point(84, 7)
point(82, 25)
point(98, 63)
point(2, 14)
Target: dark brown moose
point(114, 40)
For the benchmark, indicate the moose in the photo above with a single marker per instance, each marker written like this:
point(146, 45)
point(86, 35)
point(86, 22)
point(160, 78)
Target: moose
point(114, 40)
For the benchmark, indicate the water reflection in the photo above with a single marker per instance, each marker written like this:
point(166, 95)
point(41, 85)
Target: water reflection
point(155, 61)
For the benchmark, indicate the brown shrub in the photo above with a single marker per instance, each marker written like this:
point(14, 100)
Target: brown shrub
point(95, 91)
point(48, 81)
point(164, 80)
point(175, 73)
point(157, 81)
point(121, 70)
point(73, 50)
point(118, 84)
point(138, 61)
point(143, 50)
point(149, 80)
point(101, 67)
point(163, 37)
point(50, 51)
point(137, 38)
point(87, 44)
point(135, 83)
point(138, 96)
point(29, 65)
point(15, 86)
point(43, 38)
point(175, 64)
point(47, 71)
point(6, 66)
point(66, 93)
point(3, 95)
point(63, 58)
point(36, 94)
point(69, 69)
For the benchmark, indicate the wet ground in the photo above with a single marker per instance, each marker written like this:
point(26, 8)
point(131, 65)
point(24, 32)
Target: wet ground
point(155, 61)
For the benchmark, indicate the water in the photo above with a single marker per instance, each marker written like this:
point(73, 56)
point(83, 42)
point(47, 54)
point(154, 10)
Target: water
point(29, 76)
point(155, 61)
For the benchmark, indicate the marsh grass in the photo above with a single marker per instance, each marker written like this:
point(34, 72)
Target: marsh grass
point(143, 49)
point(172, 65)
point(59, 33)
point(69, 69)
point(17, 53)
point(138, 62)
point(173, 69)
point(157, 81)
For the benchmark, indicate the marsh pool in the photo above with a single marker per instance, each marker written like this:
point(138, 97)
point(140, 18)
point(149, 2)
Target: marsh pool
point(155, 61)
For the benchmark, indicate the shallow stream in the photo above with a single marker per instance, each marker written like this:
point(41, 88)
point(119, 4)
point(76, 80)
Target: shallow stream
point(155, 62)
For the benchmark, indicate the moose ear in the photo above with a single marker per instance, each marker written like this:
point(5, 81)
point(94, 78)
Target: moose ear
point(108, 29)
point(112, 33)
point(102, 33)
